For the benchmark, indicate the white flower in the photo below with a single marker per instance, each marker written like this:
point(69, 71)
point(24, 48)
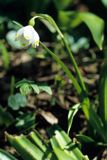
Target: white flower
point(28, 36)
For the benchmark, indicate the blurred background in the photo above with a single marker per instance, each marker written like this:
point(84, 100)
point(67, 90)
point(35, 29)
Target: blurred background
point(21, 11)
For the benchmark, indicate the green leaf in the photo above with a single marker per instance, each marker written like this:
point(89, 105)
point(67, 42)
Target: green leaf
point(104, 2)
point(93, 22)
point(35, 88)
point(72, 112)
point(6, 156)
point(5, 118)
point(24, 86)
point(84, 139)
point(59, 147)
point(61, 154)
point(18, 24)
point(25, 89)
point(17, 101)
point(45, 88)
point(11, 39)
point(62, 4)
point(103, 94)
point(21, 100)
point(5, 55)
point(61, 142)
point(37, 140)
point(25, 148)
point(95, 121)
point(25, 122)
point(23, 81)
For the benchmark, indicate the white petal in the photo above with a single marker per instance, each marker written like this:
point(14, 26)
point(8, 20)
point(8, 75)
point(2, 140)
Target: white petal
point(35, 40)
point(28, 36)
point(28, 32)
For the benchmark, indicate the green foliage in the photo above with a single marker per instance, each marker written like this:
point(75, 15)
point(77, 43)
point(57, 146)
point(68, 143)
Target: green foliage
point(93, 22)
point(65, 69)
point(6, 156)
point(104, 2)
point(72, 112)
point(81, 43)
point(87, 107)
point(45, 88)
point(5, 118)
point(25, 122)
point(59, 147)
point(62, 4)
point(5, 55)
point(85, 139)
point(27, 87)
point(17, 101)
point(11, 39)
point(17, 24)
point(103, 94)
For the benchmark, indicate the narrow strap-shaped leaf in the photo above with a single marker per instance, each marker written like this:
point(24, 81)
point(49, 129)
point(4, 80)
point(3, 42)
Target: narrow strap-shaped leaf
point(65, 142)
point(6, 156)
point(36, 139)
point(26, 149)
point(103, 94)
point(60, 153)
point(85, 139)
point(72, 111)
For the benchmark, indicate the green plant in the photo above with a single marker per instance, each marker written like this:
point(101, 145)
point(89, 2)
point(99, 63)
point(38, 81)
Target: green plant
point(26, 87)
point(88, 18)
point(5, 56)
point(17, 101)
point(95, 120)
point(33, 147)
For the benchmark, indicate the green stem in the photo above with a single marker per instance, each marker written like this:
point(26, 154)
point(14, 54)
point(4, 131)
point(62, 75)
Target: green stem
point(66, 70)
point(46, 18)
point(12, 85)
point(75, 65)
point(90, 114)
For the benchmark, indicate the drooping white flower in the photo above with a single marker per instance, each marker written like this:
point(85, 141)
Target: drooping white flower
point(28, 36)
